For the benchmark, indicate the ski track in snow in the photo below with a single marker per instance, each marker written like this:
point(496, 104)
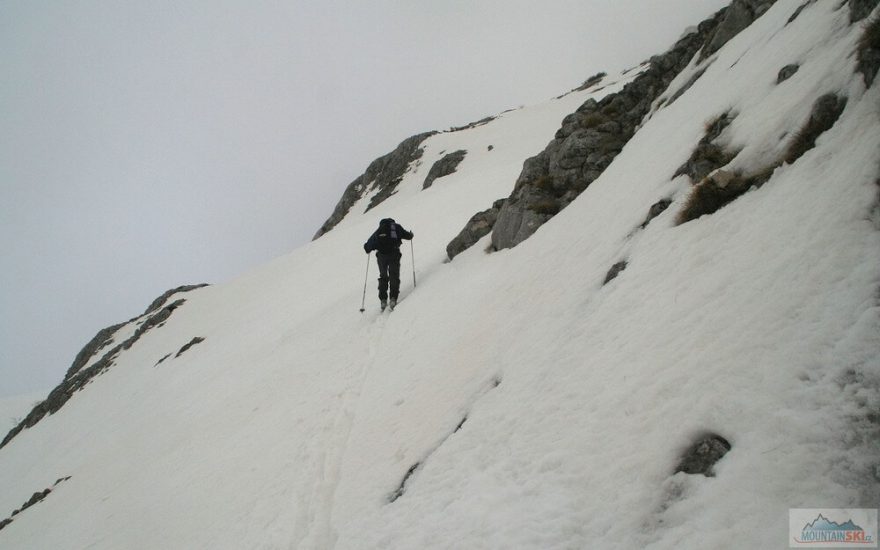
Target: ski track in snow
point(319, 532)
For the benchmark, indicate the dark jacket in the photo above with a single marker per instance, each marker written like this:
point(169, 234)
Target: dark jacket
point(386, 240)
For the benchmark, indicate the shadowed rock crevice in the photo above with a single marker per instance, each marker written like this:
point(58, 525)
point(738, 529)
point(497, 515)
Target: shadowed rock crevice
point(444, 167)
point(382, 175)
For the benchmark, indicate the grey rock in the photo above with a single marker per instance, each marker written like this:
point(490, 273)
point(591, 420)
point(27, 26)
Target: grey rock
point(160, 301)
point(443, 167)
point(869, 63)
point(196, 340)
point(707, 155)
point(587, 143)
point(787, 72)
point(515, 224)
point(614, 271)
point(737, 16)
point(868, 51)
point(702, 456)
point(383, 174)
point(77, 378)
point(476, 228)
point(471, 125)
point(798, 11)
point(592, 81)
point(656, 209)
point(826, 110)
point(859, 9)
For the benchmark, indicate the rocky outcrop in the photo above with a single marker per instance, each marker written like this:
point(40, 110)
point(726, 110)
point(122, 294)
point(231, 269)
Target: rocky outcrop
point(739, 15)
point(477, 227)
point(79, 375)
point(382, 175)
point(708, 156)
point(702, 456)
point(859, 9)
point(868, 51)
point(826, 110)
point(37, 497)
point(615, 270)
point(787, 72)
point(588, 142)
point(96, 344)
point(195, 341)
point(798, 11)
point(656, 209)
point(160, 301)
point(443, 167)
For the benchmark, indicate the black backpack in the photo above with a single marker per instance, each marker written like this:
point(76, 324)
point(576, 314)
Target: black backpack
point(387, 237)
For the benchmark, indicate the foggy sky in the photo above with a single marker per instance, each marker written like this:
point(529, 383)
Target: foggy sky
point(145, 145)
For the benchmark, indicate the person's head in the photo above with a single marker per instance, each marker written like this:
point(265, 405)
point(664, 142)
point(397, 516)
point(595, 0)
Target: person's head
point(386, 222)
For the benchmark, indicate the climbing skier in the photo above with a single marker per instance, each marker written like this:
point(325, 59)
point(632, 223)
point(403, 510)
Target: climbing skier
point(386, 242)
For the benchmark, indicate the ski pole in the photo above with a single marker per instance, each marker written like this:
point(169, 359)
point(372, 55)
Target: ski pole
point(366, 275)
point(413, 254)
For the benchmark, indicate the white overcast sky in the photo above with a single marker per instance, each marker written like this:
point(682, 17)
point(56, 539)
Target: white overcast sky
point(144, 145)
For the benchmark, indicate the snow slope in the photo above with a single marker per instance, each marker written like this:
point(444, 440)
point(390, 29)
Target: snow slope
point(524, 404)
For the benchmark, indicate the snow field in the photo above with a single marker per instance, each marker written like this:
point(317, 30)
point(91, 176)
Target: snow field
point(297, 418)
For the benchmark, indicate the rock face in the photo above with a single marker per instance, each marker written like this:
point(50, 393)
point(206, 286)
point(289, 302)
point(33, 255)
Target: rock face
point(740, 14)
point(443, 167)
point(588, 142)
point(383, 175)
point(868, 52)
point(78, 375)
point(859, 9)
point(476, 228)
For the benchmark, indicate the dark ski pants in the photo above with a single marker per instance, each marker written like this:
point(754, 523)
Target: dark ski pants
point(389, 275)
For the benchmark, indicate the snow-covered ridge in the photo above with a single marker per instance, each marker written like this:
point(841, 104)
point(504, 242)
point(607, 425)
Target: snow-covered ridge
point(515, 399)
